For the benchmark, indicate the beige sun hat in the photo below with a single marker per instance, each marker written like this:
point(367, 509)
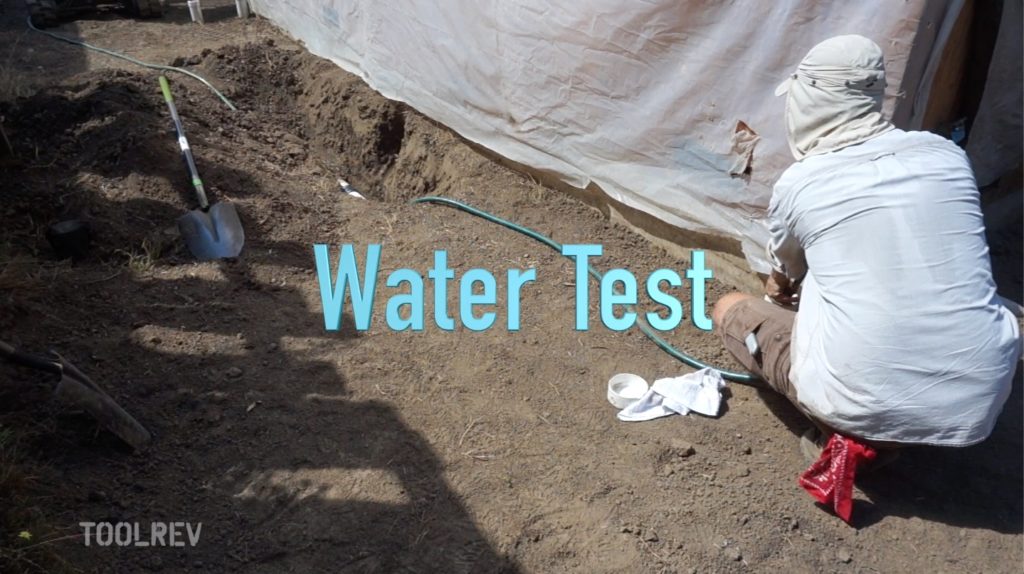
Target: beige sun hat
point(834, 98)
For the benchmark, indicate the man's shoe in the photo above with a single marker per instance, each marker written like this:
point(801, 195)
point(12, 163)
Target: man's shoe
point(813, 441)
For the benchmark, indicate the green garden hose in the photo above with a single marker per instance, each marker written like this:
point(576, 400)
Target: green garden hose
point(114, 54)
point(644, 328)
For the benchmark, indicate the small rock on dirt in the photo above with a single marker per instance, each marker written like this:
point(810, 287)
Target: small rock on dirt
point(844, 555)
point(733, 553)
point(682, 448)
point(233, 373)
point(213, 414)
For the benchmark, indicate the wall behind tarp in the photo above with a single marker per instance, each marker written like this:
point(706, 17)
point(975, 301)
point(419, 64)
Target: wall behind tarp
point(995, 143)
point(666, 105)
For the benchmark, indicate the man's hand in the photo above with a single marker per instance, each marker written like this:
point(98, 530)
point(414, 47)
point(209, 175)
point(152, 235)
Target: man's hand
point(780, 289)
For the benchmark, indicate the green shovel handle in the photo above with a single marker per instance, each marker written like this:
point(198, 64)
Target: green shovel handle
point(166, 89)
point(186, 151)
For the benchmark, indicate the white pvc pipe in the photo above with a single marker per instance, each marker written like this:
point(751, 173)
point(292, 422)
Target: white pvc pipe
point(243, 8)
point(195, 11)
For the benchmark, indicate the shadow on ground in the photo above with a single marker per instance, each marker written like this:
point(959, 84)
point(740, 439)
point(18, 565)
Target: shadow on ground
point(256, 434)
point(918, 483)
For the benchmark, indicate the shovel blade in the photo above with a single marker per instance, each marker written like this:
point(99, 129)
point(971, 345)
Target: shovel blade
point(213, 234)
point(77, 389)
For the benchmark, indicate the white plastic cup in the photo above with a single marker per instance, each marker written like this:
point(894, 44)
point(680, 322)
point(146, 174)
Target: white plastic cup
point(243, 8)
point(624, 389)
point(195, 11)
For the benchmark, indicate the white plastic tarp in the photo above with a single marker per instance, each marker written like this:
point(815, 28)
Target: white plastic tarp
point(663, 104)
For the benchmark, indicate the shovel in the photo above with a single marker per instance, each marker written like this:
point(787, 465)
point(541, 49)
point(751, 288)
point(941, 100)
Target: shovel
point(212, 231)
point(79, 390)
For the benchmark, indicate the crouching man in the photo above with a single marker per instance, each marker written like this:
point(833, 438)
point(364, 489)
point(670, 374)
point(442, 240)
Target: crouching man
point(899, 337)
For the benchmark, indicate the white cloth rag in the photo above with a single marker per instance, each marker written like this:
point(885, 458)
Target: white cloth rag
point(700, 392)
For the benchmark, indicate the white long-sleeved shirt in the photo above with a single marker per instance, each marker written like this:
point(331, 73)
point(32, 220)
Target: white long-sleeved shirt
point(900, 335)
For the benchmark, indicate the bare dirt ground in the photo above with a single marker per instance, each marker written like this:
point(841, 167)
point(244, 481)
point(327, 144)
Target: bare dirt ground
point(301, 450)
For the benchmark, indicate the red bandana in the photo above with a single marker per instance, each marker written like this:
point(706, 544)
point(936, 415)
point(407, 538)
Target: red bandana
point(830, 478)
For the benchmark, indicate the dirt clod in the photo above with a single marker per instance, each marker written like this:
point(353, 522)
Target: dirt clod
point(682, 448)
point(844, 555)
